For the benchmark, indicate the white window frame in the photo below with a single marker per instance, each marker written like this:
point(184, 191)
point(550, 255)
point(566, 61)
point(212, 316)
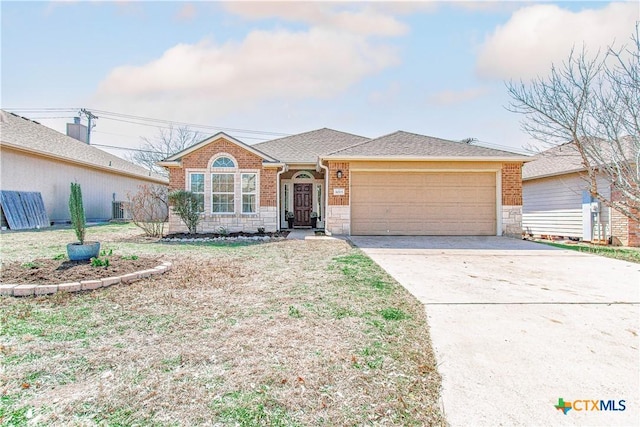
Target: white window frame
point(233, 193)
point(253, 193)
point(224, 156)
point(203, 192)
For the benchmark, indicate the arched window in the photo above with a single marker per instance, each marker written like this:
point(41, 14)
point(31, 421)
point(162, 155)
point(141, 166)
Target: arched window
point(223, 162)
point(303, 175)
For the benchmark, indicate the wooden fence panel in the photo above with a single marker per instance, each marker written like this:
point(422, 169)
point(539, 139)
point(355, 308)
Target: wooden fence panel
point(24, 210)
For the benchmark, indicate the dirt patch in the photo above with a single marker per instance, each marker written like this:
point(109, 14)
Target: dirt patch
point(48, 271)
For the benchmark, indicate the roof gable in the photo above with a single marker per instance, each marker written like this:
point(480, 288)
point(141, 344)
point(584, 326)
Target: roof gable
point(176, 158)
point(402, 144)
point(27, 135)
point(308, 146)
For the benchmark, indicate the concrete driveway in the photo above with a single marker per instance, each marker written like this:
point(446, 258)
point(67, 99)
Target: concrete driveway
point(517, 325)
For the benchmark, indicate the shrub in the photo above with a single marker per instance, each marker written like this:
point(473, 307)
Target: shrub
point(76, 209)
point(186, 205)
point(149, 209)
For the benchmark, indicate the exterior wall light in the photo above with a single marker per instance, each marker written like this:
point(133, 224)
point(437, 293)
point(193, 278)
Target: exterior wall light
point(339, 174)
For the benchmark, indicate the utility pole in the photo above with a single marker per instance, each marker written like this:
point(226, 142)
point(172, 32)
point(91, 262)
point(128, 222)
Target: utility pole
point(90, 125)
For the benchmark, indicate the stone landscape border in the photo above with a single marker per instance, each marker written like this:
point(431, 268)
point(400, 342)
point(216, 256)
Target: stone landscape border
point(26, 290)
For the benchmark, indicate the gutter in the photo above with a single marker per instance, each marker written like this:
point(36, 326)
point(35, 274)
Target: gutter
point(284, 169)
point(429, 159)
point(326, 194)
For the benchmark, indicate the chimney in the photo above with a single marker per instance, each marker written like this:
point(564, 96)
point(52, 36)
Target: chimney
point(76, 130)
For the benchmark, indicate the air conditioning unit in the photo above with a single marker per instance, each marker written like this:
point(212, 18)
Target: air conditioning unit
point(120, 210)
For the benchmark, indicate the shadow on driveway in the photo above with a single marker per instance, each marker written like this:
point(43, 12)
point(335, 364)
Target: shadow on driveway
point(485, 243)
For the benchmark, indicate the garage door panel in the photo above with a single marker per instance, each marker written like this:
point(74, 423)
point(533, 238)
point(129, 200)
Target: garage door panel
point(396, 203)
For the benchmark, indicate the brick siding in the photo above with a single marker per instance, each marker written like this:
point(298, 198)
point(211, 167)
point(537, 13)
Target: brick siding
point(512, 184)
point(624, 230)
point(334, 182)
point(200, 159)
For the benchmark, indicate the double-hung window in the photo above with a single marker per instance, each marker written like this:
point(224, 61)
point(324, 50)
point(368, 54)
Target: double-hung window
point(249, 192)
point(222, 193)
point(196, 186)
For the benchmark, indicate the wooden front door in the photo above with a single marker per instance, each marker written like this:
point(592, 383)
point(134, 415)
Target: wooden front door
point(302, 204)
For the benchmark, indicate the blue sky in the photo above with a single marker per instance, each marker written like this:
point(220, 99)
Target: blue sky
point(435, 68)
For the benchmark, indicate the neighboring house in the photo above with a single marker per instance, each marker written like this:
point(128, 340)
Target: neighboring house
point(399, 184)
point(34, 157)
point(557, 202)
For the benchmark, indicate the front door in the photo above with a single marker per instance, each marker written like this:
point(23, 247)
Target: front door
point(302, 204)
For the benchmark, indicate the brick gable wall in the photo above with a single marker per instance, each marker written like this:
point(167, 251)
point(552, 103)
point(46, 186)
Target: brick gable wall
point(200, 159)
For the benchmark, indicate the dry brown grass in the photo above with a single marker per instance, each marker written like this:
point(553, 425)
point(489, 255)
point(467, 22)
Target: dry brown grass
point(285, 333)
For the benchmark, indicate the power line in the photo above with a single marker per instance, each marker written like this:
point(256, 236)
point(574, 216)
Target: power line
point(127, 149)
point(196, 125)
point(154, 122)
point(157, 126)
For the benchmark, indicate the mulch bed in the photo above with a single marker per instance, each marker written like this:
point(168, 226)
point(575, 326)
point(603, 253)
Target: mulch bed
point(48, 271)
point(218, 235)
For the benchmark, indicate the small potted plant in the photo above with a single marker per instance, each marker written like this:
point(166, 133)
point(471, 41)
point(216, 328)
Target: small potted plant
point(290, 218)
point(314, 219)
point(81, 250)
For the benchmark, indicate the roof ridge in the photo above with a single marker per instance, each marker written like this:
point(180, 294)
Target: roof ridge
point(350, 146)
point(38, 132)
point(306, 133)
point(386, 136)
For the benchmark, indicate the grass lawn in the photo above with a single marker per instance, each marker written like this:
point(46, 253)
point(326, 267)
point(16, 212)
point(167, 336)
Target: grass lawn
point(287, 333)
point(625, 254)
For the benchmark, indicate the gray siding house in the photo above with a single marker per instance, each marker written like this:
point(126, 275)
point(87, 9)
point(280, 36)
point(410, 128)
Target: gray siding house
point(36, 158)
point(557, 203)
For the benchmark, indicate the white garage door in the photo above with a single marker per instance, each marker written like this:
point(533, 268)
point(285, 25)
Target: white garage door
point(405, 203)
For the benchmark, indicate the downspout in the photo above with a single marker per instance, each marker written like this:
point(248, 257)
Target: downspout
point(610, 237)
point(326, 194)
point(284, 169)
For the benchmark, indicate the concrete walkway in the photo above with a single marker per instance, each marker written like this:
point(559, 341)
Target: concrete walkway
point(300, 233)
point(517, 325)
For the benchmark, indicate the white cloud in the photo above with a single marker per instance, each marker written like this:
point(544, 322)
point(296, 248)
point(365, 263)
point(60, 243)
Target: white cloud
point(361, 19)
point(451, 97)
point(539, 35)
point(225, 77)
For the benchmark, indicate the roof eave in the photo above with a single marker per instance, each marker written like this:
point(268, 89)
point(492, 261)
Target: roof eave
point(430, 158)
point(215, 137)
point(166, 164)
point(552, 174)
point(273, 164)
point(87, 164)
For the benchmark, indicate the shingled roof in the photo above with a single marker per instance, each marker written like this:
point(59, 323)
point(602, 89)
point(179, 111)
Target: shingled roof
point(410, 145)
point(307, 147)
point(27, 135)
point(555, 161)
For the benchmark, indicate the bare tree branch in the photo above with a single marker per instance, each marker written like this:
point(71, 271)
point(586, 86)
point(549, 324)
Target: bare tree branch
point(166, 143)
point(591, 103)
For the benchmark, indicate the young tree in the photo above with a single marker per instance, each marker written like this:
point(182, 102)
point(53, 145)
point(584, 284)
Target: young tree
point(150, 209)
point(592, 105)
point(187, 206)
point(166, 143)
